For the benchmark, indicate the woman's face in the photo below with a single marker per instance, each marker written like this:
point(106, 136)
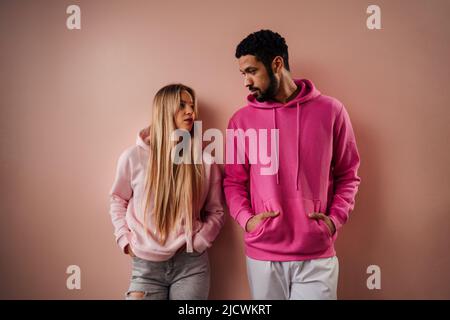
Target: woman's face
point(185, 115)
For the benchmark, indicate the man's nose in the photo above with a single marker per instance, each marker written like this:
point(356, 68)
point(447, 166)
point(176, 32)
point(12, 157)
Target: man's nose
point(248, 82)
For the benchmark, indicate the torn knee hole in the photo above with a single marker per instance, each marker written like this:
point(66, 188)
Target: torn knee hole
point(136, 294)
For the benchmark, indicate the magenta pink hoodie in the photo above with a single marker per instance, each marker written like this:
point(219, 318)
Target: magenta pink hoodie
point(318, 163)
point(126, 197)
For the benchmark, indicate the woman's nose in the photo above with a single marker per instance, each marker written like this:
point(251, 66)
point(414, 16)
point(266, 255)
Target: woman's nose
point(189, 110)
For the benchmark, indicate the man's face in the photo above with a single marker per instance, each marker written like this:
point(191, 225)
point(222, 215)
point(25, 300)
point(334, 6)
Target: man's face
point(258, 79)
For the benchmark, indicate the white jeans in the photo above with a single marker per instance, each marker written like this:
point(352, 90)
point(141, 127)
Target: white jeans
point(294, 280)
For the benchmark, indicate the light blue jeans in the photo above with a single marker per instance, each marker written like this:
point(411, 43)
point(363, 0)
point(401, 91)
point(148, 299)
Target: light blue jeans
point(185, 276)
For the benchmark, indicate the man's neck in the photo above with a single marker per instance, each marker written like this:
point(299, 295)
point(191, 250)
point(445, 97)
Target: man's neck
point(288, 90)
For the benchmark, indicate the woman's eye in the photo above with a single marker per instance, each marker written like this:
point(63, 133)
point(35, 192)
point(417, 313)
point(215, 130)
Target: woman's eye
point(182, 106)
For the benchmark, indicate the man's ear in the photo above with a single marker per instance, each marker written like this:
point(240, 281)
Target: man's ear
point(277, 64)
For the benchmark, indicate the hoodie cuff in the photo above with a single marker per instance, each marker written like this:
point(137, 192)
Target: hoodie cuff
point(336, 222)
point(123, 240)
point(243, 217)
point(199, 244)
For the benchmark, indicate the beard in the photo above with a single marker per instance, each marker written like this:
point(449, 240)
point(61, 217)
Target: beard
point(271, 91)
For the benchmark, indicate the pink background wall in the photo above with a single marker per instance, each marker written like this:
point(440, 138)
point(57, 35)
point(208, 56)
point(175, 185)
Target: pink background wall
point(71, 101)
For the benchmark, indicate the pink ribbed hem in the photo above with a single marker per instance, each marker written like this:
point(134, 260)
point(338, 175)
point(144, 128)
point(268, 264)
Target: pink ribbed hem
point(258, 254)
point(152, 256)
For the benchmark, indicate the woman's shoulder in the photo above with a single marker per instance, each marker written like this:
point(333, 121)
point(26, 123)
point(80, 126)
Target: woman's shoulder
point(129, 153)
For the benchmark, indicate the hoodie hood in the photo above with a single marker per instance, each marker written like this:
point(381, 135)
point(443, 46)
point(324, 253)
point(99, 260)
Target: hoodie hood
point(142, 139)
point(307, 92)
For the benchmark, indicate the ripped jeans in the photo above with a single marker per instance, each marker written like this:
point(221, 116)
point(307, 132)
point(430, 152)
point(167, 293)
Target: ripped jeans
point(185, 276)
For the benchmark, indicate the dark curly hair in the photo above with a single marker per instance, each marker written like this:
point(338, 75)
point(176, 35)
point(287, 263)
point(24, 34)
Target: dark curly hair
point(265, 45)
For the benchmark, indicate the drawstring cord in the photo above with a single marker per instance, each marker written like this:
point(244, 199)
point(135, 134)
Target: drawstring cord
point(298, 145)
point(276, 144)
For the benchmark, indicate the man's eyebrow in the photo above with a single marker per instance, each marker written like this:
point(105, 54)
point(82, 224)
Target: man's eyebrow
point(248, 69)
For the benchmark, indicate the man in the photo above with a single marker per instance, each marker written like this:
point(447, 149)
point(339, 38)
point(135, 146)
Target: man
point(291, 218)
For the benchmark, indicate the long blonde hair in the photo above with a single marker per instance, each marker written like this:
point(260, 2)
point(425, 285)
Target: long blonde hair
point(174, 188)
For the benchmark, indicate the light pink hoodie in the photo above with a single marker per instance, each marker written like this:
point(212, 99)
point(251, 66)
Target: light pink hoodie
point(318, 163)
point(126, 209)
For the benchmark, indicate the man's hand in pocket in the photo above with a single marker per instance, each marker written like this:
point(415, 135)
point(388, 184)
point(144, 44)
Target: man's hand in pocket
point(329, 223)
point(254, 221)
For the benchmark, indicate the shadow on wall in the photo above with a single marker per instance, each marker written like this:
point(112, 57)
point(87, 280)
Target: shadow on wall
point(228, 269)
point(358, 242)
point(227, 257)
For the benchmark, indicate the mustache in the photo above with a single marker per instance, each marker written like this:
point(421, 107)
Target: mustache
point(253, 89)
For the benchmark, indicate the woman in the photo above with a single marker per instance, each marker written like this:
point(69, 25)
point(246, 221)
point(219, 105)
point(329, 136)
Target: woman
point(166, 213)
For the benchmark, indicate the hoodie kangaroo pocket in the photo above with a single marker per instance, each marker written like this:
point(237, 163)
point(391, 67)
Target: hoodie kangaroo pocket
point(307, 235)
point(292, 231)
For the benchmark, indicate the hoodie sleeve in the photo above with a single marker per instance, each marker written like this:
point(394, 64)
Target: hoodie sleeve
point(212, 211)
point(236, 186)
point(345, 164)
point(120, 194)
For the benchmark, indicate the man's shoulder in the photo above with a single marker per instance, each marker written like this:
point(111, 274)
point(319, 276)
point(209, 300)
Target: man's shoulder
point(329, 102)
point(241, 113)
